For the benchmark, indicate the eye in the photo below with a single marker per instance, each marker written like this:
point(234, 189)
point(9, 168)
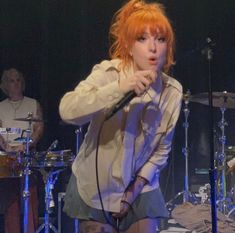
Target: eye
point(141, 38)
point(161, 39)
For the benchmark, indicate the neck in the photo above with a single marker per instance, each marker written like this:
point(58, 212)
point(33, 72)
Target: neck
point(15, 97)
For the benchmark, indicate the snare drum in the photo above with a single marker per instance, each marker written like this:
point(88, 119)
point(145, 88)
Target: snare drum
point(10, 165)
point(52, 159)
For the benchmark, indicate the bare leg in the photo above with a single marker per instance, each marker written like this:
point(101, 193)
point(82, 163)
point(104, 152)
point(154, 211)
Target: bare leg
point(95, 227)
point(147, 225)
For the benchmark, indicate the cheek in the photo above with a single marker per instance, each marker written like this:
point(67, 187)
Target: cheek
point(163, 53)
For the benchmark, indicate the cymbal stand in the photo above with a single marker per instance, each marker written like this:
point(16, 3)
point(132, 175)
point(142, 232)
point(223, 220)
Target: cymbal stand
point(79, 139)
point(26, 173)
point(49, 179)
point(186, 194)
point(79, 135)
point(222, 192)
point(185, 150)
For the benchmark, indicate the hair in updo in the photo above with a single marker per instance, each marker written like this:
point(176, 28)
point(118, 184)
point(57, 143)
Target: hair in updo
point(131, 21)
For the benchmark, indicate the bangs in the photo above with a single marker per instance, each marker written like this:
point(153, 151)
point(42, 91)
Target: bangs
point(137, 24)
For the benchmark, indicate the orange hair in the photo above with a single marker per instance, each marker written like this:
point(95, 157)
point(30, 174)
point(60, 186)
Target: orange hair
point(130, 22)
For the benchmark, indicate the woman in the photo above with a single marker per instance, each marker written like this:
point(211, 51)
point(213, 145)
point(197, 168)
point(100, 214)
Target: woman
point(115, 181)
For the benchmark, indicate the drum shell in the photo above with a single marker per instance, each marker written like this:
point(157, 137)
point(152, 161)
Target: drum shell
point(52, 159)
point(10, 165)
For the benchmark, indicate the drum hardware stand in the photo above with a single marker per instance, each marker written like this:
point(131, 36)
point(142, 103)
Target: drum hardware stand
point(26, 173)
point(185, 150)
point(49, 179)
point(79, 138)
point(222, 164)
point(186, 193)
point(61, 195)
point(207, 51)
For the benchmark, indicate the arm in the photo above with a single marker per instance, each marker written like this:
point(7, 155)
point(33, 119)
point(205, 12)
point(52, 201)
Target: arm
point(156, 162)
point(3, 144)
point(38, 127)
point(102, 89)
point(99, 91)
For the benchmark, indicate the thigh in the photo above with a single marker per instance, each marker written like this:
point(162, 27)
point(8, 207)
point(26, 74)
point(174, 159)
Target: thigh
point(147, 225)
point(95, 227)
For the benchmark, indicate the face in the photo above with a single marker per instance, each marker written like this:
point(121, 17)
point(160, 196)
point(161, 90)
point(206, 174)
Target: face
point(14, 84)
point(149, 52)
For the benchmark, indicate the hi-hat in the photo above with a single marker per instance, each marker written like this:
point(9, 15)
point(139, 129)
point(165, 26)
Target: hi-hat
point(30, 119)
point(22, 139)
point(219, 99)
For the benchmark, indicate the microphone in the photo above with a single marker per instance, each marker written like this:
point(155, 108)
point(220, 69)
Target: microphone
point(120, 104)
point(53, 145)
point(207, 45)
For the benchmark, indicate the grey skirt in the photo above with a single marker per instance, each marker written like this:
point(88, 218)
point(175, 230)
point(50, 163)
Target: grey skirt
point(147, 205)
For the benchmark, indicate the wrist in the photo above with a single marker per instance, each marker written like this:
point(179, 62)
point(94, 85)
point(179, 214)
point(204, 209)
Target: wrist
point(123, 86)
point(124, 202)
point(141, 180)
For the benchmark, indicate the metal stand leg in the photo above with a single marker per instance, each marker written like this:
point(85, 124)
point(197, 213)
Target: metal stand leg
point(185, 150)
point(26, 195)
point(78, 144)
point(185, 193)
point(60, 198)
point(49, 179)
point(222, 192)
point(27, 172)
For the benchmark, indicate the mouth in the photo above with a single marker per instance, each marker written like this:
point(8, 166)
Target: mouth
point(152, 61)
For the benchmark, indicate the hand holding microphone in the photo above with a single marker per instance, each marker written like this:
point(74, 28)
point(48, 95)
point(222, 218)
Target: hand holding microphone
point(139, 82)
point(133, 86)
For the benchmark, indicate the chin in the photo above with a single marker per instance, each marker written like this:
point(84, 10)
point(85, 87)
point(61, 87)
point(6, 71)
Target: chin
point(153, 68)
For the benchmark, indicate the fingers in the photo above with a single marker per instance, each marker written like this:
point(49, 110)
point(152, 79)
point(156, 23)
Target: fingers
point(139, 82)
point(123, 210)
point(143, 80)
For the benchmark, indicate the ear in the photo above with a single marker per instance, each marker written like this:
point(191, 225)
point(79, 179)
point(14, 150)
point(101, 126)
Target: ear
point(128, 49)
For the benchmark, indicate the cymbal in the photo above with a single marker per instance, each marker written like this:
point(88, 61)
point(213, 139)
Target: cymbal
point(22, 139)
point(30, 119)
point(219, 99)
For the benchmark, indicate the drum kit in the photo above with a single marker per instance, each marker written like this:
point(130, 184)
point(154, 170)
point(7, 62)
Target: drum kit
point(224, 159)
point(49, 163)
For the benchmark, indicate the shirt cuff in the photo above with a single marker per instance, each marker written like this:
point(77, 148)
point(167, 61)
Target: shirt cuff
point(148, 171)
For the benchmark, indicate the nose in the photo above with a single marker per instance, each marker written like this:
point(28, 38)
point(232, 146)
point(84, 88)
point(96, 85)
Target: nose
point(152, 45)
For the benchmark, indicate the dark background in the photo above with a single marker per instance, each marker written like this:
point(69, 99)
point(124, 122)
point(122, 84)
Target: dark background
point(55, 43)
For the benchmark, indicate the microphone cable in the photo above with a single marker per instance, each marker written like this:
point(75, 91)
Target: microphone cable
point(97, 181)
